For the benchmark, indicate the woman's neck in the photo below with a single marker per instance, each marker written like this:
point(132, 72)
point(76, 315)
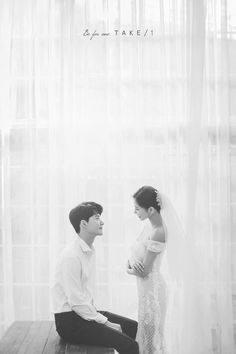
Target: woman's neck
point(155, 220)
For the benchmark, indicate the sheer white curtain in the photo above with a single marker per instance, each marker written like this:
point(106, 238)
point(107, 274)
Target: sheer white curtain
point(95, 119)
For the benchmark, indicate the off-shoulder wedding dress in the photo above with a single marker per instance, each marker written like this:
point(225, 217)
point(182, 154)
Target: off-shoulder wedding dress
point(152, 296)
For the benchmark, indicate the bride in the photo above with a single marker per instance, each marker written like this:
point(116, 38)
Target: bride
point(144, 263)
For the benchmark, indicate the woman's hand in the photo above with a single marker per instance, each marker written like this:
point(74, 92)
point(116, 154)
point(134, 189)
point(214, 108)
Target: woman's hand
point(136, 269)
point(138, 266)
point(128, 267)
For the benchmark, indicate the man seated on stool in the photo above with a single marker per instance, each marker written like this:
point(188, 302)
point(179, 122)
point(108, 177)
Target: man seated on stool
point(77, 319)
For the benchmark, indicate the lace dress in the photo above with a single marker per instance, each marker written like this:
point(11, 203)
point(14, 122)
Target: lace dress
point(152, 298)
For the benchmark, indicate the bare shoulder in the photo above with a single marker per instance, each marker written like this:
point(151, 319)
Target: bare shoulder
point(158, 234)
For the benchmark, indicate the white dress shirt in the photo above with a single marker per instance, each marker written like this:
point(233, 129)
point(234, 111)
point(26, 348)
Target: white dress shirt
point(74, 282)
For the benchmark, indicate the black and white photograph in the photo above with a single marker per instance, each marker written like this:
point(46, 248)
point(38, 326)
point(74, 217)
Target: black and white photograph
point(118, 177)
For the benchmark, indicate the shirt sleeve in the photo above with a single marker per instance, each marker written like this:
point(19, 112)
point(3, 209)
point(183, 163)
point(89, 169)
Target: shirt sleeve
point(72, 281)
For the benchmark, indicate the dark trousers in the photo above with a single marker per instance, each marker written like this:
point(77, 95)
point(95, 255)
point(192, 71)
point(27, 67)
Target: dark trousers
point(74, 329)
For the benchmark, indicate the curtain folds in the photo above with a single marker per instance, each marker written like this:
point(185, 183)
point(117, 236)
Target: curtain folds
point(94, 118)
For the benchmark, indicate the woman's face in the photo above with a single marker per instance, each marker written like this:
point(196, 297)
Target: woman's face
point(141, 213)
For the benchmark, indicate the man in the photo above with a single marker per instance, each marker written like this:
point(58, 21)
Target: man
point(77, 319)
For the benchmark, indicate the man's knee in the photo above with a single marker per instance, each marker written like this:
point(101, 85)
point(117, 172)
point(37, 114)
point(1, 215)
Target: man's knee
point(130, 328)
point(133, 348)
point(129, 347)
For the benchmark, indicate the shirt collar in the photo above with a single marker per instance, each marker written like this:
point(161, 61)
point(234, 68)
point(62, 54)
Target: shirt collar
point(83, 245)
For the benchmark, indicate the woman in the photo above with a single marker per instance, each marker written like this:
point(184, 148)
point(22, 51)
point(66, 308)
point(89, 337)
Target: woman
point(145, 262)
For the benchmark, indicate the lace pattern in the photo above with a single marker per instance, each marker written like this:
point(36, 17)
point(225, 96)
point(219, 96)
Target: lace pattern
point(152, 295)
point(152, 308)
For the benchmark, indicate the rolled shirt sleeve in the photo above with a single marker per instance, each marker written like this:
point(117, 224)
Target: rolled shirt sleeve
point(78, 297)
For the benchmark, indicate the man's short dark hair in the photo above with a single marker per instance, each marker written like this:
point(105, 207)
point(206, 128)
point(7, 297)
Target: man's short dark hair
point(84, 211)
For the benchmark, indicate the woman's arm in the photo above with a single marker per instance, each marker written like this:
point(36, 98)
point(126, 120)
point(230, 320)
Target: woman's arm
point(147, 264)
point(158, 236)
point(131, 270)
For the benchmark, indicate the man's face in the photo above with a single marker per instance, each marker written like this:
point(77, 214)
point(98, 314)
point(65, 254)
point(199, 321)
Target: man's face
point(140, 212)
point(95, 225)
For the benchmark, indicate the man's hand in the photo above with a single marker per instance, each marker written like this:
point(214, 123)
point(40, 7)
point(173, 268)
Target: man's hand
point(115, 326)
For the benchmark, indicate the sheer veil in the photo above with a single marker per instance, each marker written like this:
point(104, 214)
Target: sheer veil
point(184, 329)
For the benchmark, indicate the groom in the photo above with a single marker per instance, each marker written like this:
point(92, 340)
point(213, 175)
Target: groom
point(77, 319)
